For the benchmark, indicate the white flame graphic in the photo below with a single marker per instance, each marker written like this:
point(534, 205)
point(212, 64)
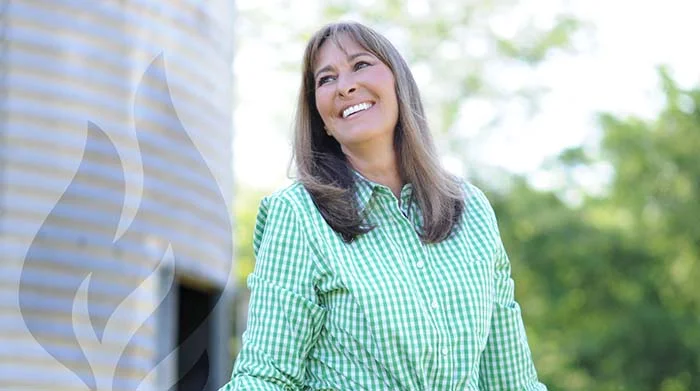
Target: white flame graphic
point(131, 308)
point(104, 343)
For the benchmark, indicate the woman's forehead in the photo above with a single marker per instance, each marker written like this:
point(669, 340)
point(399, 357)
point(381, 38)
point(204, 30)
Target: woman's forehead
point(347, 44)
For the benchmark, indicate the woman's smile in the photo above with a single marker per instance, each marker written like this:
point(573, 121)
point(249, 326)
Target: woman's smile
point(355, 109)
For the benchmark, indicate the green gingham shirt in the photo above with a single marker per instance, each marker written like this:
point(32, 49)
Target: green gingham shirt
point(386, 312)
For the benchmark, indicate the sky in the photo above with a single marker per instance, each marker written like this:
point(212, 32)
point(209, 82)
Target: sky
point(614, 71)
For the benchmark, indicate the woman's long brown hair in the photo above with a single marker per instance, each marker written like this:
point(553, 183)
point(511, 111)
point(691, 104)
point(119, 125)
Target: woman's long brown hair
point(323, 168)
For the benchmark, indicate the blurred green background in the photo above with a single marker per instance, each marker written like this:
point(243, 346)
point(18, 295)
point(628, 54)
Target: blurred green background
point(605, 257)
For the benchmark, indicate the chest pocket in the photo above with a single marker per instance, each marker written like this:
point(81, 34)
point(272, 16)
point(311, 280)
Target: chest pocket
point(466, 264)
point(467, 295)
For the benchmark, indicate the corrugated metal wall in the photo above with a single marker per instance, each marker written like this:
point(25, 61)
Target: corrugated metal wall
point(115, 153)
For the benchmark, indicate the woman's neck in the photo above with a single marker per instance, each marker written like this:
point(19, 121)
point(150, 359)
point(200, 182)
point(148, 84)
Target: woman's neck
point(379, 168)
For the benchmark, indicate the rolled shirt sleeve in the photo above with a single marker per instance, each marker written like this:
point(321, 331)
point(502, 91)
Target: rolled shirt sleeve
point(284, 316)
point(506, 362)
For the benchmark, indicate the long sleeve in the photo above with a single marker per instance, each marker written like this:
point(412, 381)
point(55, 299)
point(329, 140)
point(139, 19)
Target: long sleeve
point(284, 317)
point(506, 363)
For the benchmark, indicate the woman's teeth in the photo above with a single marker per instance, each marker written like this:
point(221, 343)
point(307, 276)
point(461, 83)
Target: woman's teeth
point(354, 109)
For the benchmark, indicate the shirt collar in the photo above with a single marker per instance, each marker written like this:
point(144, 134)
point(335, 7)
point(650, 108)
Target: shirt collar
point(365, 189)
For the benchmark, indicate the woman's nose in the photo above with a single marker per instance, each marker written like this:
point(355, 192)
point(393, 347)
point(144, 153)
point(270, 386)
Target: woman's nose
point(346, 85)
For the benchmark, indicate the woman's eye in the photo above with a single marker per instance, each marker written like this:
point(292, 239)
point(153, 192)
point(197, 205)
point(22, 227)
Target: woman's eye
point(324, 79)
point(361, 64)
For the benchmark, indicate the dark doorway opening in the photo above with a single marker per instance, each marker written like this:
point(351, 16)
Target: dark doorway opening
point(194, 338)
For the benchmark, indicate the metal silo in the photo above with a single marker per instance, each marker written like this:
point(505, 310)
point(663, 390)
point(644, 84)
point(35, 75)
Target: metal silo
point(115, 193)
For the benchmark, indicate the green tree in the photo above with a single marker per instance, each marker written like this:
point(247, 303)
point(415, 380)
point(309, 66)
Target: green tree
point(607, 286)
point(656, 186)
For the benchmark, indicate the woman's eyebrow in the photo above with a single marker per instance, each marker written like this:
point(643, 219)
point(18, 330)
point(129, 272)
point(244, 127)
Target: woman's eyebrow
point(324, 69)
point(350, 58)
point(358, 54)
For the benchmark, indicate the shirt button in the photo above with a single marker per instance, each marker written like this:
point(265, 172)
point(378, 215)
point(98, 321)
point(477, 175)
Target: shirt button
point(434, 304)
point(444, 351)
point(420, 264)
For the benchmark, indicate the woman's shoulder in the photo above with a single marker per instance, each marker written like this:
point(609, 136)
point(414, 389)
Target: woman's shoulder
point(476, 203)
point(294, 195)
point(286, 209)
point(472, 193)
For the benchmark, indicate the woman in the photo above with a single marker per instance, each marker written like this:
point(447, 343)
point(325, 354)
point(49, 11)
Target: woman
point(376, 270)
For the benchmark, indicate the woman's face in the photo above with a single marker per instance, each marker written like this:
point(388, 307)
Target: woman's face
point(355, 95)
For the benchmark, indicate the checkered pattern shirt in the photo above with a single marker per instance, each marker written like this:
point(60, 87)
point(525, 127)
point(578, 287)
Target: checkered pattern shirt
point(386, 312)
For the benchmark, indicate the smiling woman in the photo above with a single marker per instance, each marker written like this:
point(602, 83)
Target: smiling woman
point(376, 270)
point(356, 100)
point(350, 64)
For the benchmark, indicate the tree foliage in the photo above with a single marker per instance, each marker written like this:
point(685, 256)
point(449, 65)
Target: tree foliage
point(608, 286)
